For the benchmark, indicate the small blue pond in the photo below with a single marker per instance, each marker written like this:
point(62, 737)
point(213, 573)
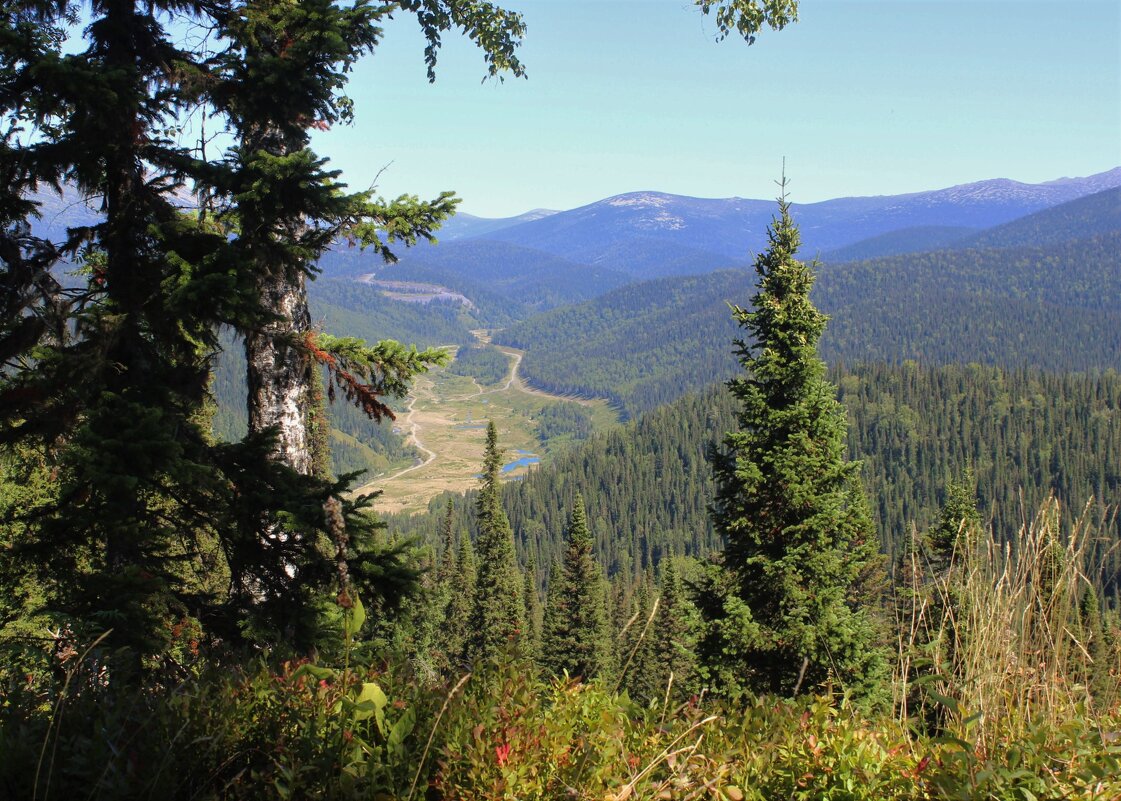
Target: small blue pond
point(522, 462)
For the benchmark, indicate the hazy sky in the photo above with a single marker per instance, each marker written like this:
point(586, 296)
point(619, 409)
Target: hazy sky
point(861, 98)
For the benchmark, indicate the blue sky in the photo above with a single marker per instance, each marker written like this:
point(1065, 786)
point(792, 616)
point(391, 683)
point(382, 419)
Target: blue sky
point(861, 98)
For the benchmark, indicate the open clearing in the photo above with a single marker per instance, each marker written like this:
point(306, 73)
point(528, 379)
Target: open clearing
point(446, 419)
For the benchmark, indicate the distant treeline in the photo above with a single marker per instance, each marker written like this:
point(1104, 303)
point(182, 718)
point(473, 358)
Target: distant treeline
point(485, 363)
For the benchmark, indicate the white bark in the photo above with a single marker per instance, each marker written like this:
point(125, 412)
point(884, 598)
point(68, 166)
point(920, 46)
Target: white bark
point(279, 375)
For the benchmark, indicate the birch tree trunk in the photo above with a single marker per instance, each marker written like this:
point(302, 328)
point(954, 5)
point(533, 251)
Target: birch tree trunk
point(279, 372)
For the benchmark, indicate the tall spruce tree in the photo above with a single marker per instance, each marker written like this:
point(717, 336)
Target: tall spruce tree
point(958, 519)
point(638, 658)
point(785, 614)
point(280, 78)
point(498, 616)
point(448, 545)
point(574, 633)
point(106, 375)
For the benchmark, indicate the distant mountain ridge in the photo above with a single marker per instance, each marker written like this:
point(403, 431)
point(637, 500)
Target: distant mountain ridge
point(731, 229)
point(543, 259)
point(463, 225)
point(1082, 218)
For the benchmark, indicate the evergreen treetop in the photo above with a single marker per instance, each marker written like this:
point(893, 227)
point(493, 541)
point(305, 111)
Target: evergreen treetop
point(498, 616)
point(788, 504)
point(575, 628)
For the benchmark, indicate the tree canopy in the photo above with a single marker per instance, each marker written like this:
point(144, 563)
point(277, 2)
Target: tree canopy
point(788, 612)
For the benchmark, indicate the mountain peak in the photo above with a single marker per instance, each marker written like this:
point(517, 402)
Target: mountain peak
point(653, 210)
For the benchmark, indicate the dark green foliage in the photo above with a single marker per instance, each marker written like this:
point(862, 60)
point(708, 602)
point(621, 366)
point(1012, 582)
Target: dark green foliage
point(485, 363)
point(111, 372)
point(1093, 636)
point(640, 671)
point(363, 311)
point(1091, 216)
point(894, 243)
point(675, 631)
point(640, 346)
point(1021, 306)
point(959, 516)
point(569, 421)
point(790, 508)
point(573, 639)
point(460, 601)
point(534, 613)
point(498, 613)
point(325, 731)
point(107, 376)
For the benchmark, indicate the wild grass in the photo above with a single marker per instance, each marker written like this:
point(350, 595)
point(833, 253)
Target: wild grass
point(999, 639)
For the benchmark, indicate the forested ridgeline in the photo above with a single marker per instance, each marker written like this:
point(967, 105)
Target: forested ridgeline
point(1094, 215)
point(1024, 434)
point(527, 280)
point(363, 310)
point(1083, 218)
point(1056, 307)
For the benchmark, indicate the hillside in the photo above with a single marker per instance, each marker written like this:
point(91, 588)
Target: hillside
point(1025, 433)
point(1056, 307)
point(540, 260)
point(354, 309)
point(1085, 217)
point(905, 240)
point(522, 277)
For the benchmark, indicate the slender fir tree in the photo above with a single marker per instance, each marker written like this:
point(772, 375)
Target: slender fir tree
point(638, 657)
point(461, 602)
point(786, 616)
point(448, 545)
point(574, 634)
point(674, 635)
point(498, 615)
point(533, 612)
point(958, 519)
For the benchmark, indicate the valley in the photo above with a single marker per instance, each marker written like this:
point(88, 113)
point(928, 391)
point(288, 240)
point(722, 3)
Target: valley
point(445, 419)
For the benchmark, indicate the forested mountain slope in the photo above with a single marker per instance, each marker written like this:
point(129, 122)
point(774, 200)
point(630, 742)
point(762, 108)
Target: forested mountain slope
point(1056, 307)
point(1082, 218)
point(521, 276)
point(905, 240)
point(1090, 216)
point(1024, 433)
point(539, 260)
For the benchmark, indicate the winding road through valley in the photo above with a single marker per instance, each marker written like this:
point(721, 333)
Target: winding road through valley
point(443, 425)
